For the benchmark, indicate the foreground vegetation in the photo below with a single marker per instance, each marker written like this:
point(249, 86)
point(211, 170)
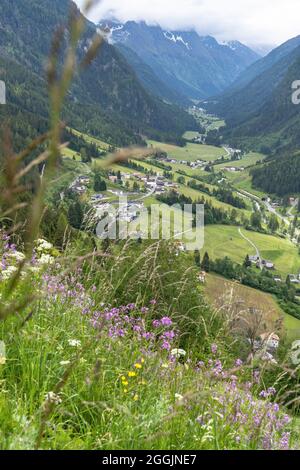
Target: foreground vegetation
point(123, 353)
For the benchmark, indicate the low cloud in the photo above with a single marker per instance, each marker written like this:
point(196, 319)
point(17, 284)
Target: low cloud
point(253, 22)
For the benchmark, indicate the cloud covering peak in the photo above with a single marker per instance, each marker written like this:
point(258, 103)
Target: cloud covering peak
point(253, 22)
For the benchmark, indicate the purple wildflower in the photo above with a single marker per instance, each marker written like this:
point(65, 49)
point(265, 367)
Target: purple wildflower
point(166, 321)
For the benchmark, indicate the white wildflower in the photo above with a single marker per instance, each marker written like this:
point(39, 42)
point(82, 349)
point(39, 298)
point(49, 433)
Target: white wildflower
point(43, 245)
point(65, 363)
point(53, 398)
point(75, 343)
point(46, 259)
point(179, 397)
point(178, 352)
point(17, 255)
point(33, 269)
point(9, 272)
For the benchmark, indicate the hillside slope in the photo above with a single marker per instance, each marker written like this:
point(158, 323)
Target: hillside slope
point(189, 64)
point(262, 65)
point(107, 100)
point(262, 114)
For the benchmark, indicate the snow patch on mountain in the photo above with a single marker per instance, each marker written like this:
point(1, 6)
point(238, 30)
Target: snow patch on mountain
point(113, 33)
point(171, 37)
point(233, 45)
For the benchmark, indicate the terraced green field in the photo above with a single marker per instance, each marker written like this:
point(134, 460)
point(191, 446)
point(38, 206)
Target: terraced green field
point(91, 140)
point(69, 153)
point(248, 160)
point(292, 326)
point(189, 135)
point(190, 152)
point(190, 192)
point(194, 194)
point(242, 181)
point(223, 241)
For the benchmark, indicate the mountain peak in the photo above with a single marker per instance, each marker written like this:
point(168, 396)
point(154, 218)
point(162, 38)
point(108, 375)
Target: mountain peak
point(176, 38)
point(192, 65)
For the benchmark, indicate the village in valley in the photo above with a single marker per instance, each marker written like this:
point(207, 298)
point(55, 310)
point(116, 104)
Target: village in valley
point(215, 175)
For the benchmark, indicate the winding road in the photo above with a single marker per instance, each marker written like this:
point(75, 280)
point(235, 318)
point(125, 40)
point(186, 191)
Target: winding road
point(285, 219)
point(254, 246)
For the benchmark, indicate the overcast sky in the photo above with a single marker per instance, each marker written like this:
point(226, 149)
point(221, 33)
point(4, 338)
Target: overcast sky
point(253, 22)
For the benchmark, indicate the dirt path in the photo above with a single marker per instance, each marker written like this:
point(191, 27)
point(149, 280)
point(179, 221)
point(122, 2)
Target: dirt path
point(254, 246)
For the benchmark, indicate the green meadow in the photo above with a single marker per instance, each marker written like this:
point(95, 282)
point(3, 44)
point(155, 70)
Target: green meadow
point(242, 181)
point(190, 152)
point(92, 140)
point(189, 135)
point(223, 241)
point(248, 160)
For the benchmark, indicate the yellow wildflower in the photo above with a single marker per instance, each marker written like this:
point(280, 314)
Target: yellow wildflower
point(136, 397)
point(131, 374)
point(125, 390)
point(125, 383)
point(138, 366)
point(142, 360)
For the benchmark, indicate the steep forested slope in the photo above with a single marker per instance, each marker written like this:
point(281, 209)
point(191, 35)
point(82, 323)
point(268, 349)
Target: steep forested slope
point(107, 100)
point(281, 176)
point(262, 113)
point(190, 65)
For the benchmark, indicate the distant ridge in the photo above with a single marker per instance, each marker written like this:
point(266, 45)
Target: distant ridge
point(107, 100)
point(258, 108)
point(191, 66)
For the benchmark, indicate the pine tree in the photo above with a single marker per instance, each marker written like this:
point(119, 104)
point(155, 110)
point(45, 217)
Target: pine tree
point(102, 186)
point(75, 215)
point(135, 187)
point(197, 258)
point(98, 182)
point(205, 265)
point(255, 220)
point(85, 157)
point(247, 262)
point(273, 223)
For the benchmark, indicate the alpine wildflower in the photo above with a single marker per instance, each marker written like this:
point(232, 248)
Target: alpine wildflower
point(131, 374)
point(75, 343)
point(178, 352)
point(53, 398)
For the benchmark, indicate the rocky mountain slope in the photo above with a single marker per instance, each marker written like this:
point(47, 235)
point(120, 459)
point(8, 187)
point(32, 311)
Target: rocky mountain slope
point(188, 64)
